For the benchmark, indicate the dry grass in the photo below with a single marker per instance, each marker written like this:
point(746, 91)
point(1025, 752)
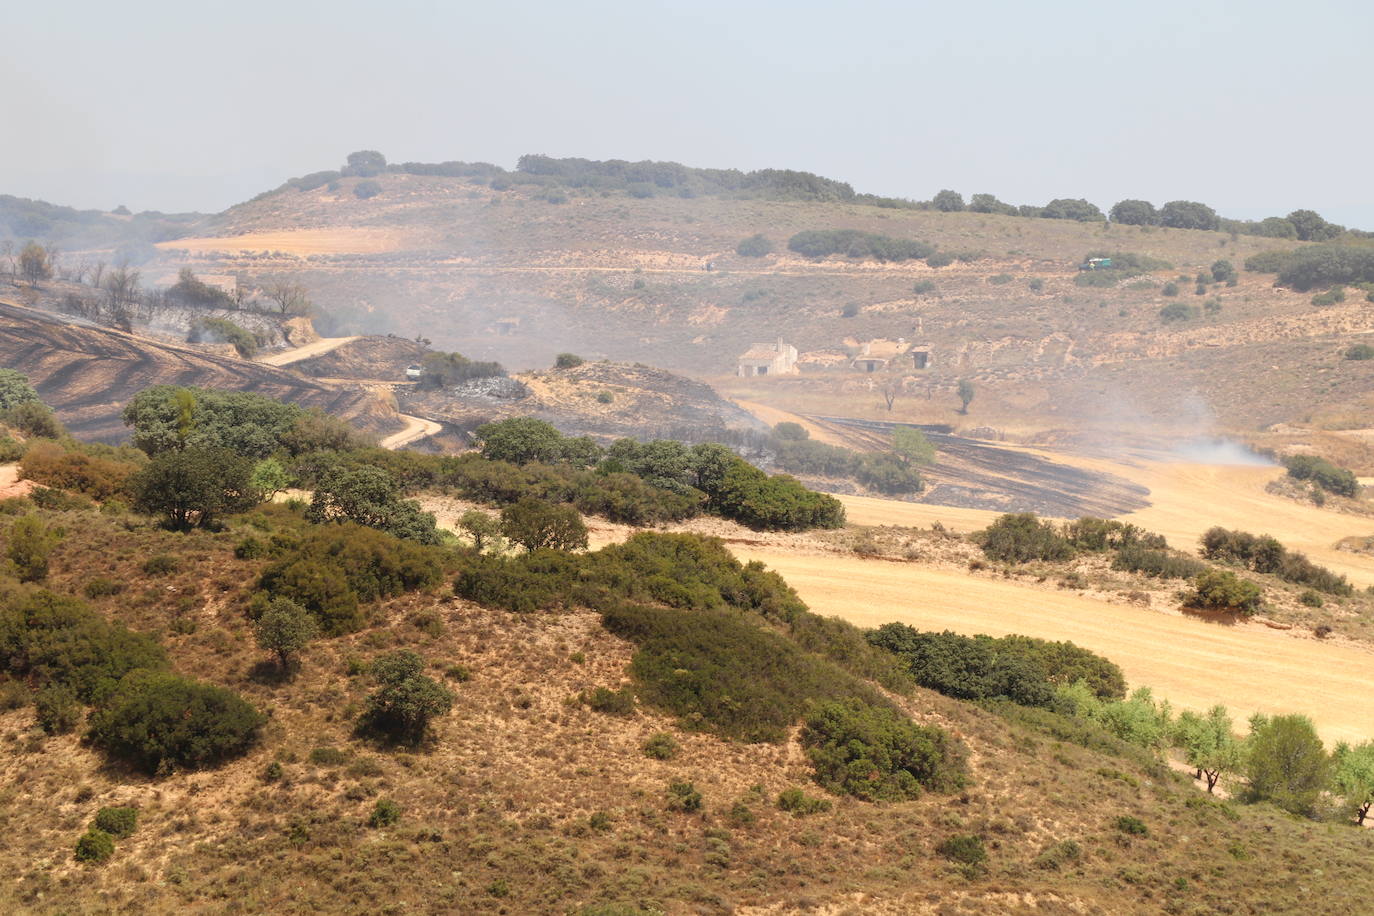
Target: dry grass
point(498, 808)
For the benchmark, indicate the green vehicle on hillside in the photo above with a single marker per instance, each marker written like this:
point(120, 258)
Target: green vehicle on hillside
point(1096, 264)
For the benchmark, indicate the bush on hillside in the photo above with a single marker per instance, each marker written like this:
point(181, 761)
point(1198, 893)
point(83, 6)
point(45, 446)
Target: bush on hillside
point(119, 823)
point(406, 700)
point(1222, 590)
point(75, 468)
point(369, 496)
point(1134, 213)
point(1323, 473)
point(1286, 763)
point(537, 525)
point(852, 243)
point(158, 721)
point(332, 571)
point(1360, 352)
point(1160, 564)
point(755, 246)
point(1188, 214)
point(1020, 538)
point(875, 753)
point(444, 370)
point(94, 847)
point(51, 639)
point(1264, 554)
point(222, 330)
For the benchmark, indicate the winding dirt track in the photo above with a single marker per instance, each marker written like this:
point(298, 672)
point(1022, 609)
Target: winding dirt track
point(416, 428)
point(1194, 664)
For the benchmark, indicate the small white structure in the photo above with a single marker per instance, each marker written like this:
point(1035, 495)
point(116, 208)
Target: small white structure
point(769, 359)
point(414, 372)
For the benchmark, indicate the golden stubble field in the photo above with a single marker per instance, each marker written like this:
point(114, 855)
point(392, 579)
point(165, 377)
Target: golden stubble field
point(1191, 662)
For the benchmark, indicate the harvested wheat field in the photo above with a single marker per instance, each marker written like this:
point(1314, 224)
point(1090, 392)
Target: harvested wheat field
point(1192, 663)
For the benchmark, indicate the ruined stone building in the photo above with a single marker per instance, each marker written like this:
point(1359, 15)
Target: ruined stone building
point(776, 358)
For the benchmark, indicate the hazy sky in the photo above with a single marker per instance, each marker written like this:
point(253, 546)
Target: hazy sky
point(1256, 108)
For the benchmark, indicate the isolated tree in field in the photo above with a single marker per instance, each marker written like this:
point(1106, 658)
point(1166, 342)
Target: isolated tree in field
point(1286, 763)
point(535, 525)
point(1353, 777)
point(966, 393)
point(15, 389)
point(891, 389)
point(1223, 271)
point(1209, 744)
point(911, 446)
point(35, 264)
point(290, 298)
point(194, 487)
point(30, 544)
point(406, 699)
point(285, 629)
point(567, 361)
point(484, 530)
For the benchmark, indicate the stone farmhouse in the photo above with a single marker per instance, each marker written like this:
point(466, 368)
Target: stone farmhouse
point(777, 358)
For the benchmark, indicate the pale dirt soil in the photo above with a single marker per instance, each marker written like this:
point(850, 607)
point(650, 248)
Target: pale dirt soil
point(317, 348)
point(416, 428)
point(337, 240)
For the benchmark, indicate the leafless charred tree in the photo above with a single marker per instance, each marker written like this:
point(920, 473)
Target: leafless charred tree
point(290, 298)
point(891, 388)
point(122, 286)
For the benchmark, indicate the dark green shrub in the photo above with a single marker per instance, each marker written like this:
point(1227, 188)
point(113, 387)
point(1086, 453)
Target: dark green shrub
point(157, 721)
point(30, 545)
point(57, 710)
point(1178, 311)
point(937, 260)
point(273, 772)
point(1222, 590)
point(683, 796)
point(406, 700)
point(1169, 289)
point(755, 246)
point(797, 803)
point(1223, 271)
point(1020, 538)
point(1321, 265)
point(101, 587)
point(567, 361)
point(966, 850)
point(1131, 825)
point(604, 397)
point(328, 757)
point(333, 570)
point(660, 746)
point(1159, 564)
point(1360, 352)
point(221, 330)
point(385, 813)
point(117, 822)
point(249, 425)
point(1265, 554)
point(1057, 855)
point(818, 243)
point(365, 189)
point(1323, 473)
point(1330, 297)
point(369, 496)
point(95, 847)
point(160, 565)
point(1311, 598)
point(612, 702)
point(876, 753)
point(58, 640)
point(924, 287)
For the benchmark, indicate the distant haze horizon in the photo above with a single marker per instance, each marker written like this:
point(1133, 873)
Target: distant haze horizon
point(1253, 109)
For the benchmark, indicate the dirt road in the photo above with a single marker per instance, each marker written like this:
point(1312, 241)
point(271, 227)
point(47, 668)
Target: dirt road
point(1192, 663)
point(416, 428)
point(318, 348)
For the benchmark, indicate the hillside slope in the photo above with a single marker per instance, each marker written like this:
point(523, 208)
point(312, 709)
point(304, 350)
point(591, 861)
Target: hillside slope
point(88, 374)
point(519, 274)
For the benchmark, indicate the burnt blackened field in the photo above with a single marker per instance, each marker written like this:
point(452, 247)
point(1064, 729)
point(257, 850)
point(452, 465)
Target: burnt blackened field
point(974, 474)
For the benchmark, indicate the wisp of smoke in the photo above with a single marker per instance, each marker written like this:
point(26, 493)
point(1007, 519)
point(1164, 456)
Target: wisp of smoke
point(1213, 450)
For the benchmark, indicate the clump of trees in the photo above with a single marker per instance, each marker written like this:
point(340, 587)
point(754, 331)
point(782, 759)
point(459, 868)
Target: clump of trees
point(444, 370)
